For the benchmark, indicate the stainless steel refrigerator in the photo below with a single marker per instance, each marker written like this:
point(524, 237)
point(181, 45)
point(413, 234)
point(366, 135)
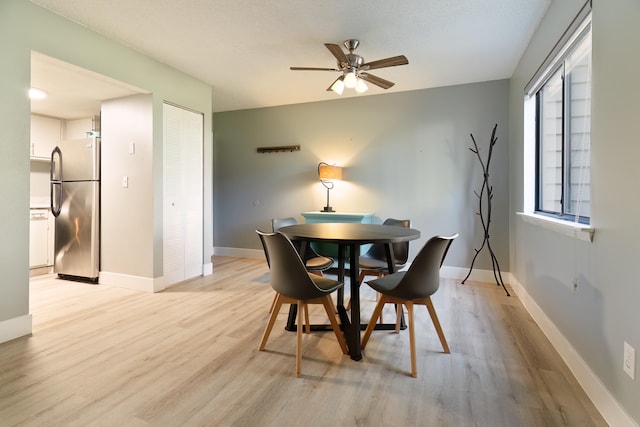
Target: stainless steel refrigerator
point(75, 204)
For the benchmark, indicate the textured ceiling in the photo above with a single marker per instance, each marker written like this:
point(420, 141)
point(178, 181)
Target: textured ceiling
point(244, 48)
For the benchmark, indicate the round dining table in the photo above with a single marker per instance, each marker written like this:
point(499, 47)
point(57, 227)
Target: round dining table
point(350, 236)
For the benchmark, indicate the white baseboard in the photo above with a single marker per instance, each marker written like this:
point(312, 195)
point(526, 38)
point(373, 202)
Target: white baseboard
point(613, 413)
point(207, 269)
point(15, 328)
point(130, 282)
point(145, 284)
point(239, 252)
point(476, 275)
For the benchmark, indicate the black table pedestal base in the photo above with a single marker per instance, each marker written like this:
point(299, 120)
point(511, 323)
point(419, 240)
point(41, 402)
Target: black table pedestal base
point(344, 324)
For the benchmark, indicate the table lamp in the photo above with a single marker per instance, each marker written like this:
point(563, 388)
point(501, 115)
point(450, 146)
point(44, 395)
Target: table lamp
point(328, 173)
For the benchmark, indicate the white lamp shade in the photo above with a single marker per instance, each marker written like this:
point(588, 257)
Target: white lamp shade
point(338, 86)
point(361, 86)
point(350, 80)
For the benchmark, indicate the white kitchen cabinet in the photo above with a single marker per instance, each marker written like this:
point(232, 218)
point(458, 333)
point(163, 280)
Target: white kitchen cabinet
point(78, 128)
point(46, 132)
point(40, 238)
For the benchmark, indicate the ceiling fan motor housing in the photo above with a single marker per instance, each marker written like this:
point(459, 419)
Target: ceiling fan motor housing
point(355, 61)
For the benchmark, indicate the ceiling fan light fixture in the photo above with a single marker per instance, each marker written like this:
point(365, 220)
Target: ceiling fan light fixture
point(361, 86)
point(338, 86)
point(350, 80)
point(354, 69)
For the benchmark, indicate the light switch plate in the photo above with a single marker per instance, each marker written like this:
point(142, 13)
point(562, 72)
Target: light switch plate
point(629, 362)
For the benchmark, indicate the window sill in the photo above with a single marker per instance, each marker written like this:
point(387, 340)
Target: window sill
point(571, 229)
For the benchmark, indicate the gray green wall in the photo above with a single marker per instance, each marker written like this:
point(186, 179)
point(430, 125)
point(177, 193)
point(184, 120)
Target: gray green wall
point(405, 156)
point(604, 312)
point(25, 27)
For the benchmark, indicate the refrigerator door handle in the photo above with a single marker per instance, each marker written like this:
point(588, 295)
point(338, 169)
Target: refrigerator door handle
point(55, 173)
point(56, 198)
point(55, 184)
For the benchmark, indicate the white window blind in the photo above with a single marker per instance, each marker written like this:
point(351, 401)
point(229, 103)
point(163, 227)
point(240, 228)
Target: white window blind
point(560, 49)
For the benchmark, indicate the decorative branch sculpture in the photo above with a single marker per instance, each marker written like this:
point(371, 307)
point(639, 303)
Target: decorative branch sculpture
point(486, 195)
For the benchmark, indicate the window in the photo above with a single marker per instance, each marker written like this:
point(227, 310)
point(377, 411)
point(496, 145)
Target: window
point(561, 92)
point(563, 118)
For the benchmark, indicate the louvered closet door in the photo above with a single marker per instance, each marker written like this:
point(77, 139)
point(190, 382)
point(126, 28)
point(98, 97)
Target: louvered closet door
point(183, 194)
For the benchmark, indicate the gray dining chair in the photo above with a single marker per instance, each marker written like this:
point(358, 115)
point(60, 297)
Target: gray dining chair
point(413, 287)
point(314, 262)
point(295, 285)
point(374, 261)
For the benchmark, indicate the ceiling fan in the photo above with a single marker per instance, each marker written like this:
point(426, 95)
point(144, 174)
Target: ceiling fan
point(354, 69)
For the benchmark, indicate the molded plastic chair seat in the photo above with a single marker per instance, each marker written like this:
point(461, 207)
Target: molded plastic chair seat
point(295, 285)
point(314, 262)
point(318, 264)
point(413, 287)
point(367, 264)
point(374, 261)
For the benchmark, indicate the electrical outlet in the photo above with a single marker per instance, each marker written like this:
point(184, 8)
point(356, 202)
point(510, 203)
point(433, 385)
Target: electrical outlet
point(629, 363)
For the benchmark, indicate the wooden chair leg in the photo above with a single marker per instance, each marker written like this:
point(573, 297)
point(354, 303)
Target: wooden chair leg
point(327, 302)
point(398, 317)
point(301, 305)
point(434, 318)
point(372, 322)
point(306, 315)
point(273, 303)
point(412, 339)
point(272, 319)
point(361, 277)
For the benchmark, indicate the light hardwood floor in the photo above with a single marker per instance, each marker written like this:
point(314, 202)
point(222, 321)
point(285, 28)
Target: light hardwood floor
point(188, 356)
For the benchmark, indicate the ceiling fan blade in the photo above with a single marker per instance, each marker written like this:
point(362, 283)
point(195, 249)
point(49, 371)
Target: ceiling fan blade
point(384, 84)
point(337, 52)
point(387, 62)
point(312, 69)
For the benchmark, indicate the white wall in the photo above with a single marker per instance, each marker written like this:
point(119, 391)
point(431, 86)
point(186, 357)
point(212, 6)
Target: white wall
point(406, 155)
point(595, 321)
point(126, 244)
